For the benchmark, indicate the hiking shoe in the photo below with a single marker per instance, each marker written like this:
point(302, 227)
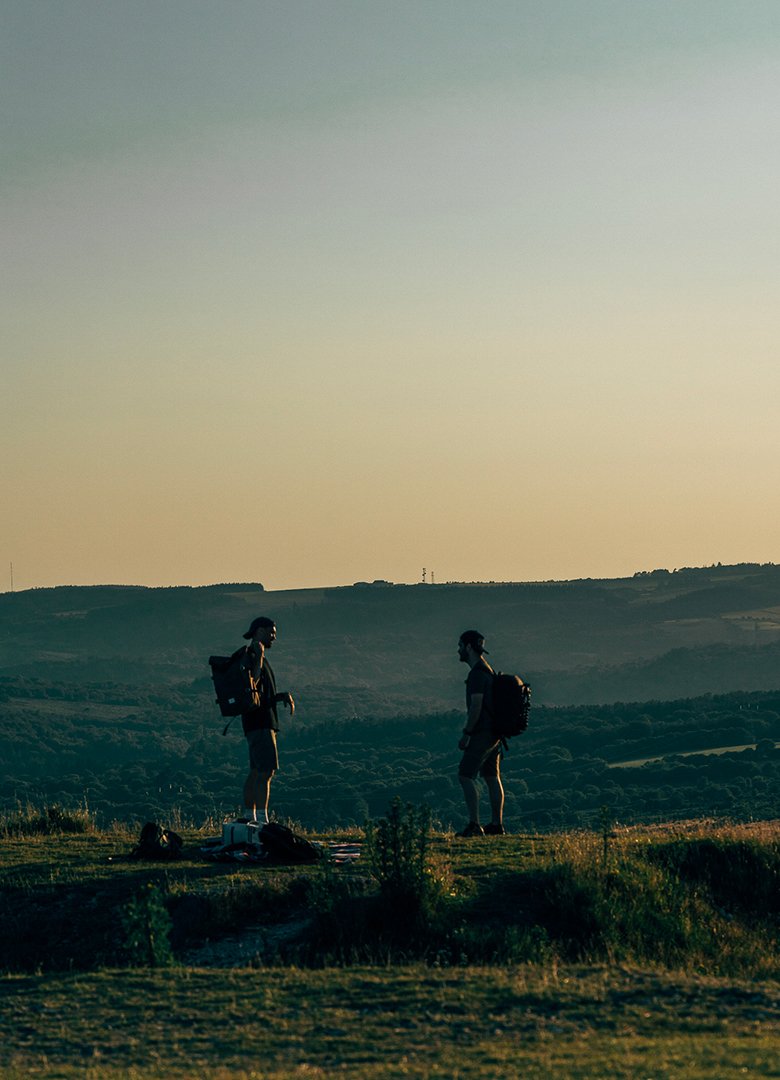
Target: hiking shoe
point(494, 830)
point(472, 829)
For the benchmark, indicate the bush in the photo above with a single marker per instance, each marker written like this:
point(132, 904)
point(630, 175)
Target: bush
point(399, 913)
point(411, 886)
point(147, 927)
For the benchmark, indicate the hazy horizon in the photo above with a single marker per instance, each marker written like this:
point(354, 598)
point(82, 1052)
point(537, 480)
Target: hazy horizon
point(428, 580)
point(315, 293)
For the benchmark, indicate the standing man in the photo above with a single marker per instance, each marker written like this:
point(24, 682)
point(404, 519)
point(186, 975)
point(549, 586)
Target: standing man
point(481, 748)
point(261, 723)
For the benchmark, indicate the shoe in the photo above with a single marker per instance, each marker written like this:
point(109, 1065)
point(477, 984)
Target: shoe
point(472, 829)
point(494, 830)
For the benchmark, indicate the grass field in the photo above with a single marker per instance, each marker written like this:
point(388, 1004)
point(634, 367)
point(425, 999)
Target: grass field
point(639, 954)
point(367, 1022)
point(715, 750)
point(395, 1022)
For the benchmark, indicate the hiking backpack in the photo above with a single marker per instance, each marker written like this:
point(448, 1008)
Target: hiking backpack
point(157, 844)
point(236, 690)
point(511, 704)
point(284, 845)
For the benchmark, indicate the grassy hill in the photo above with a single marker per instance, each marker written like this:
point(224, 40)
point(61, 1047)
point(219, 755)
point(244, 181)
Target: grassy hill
point(633, 952)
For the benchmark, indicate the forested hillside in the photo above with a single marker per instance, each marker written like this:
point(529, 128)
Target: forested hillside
point(132, 754)
point(379, 649)
point(105, 695)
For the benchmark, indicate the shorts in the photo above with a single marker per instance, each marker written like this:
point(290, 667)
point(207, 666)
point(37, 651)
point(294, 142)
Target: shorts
point(263, 755)
point(481, 757)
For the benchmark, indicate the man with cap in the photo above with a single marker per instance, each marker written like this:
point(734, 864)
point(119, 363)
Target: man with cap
point(481, 748)
point(261, 723)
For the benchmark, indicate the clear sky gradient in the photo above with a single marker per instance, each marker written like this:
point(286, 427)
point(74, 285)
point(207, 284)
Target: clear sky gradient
point(315, 291)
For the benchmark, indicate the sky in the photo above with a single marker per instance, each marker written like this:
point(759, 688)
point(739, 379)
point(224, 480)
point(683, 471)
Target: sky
point(309, 292)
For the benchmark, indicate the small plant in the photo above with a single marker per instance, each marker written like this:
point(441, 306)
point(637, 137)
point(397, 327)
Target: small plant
point(397, 847)
point(147, 926)
point(411, 886)
point(606, 820)
point(398, 913)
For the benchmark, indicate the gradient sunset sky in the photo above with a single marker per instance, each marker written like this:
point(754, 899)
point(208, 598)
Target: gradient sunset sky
point(315, 291)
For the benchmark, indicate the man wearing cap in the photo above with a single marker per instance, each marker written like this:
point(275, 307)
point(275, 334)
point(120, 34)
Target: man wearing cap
point(261, 723)
point(481, 749)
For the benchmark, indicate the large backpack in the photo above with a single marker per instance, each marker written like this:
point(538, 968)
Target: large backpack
point(157, 844)
point(511, 704)
point(236, 690)
point(284, 845)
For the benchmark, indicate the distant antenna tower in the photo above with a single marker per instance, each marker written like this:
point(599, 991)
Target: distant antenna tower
point(424, 573)
point(12, 577)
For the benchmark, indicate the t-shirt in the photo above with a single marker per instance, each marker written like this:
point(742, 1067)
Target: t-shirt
point(480, 681)
point(265, 715)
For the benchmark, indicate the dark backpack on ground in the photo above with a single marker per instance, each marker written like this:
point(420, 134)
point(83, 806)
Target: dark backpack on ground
point(283, 845)
point(157, 844)
point(235, 687)
point(511, 704)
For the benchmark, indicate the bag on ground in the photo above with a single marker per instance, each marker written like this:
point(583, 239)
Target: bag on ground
point(157, 844)
point(241, 833)
point(284, 845)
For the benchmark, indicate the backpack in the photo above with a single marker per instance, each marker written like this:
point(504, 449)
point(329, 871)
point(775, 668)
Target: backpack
point(236, 690)
point(511, 704)
point(284, 845)
point(158, 844)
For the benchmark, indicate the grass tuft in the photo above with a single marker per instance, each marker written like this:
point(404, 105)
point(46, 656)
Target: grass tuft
point(52, 820)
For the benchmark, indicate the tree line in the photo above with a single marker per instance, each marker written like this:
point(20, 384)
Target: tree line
point(133, 754)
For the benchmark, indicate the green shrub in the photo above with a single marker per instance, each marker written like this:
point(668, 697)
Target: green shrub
point(147, 926)
point(411, 885)
point(398, 913)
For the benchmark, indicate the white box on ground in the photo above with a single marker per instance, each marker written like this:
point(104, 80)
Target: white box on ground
point(241, 832)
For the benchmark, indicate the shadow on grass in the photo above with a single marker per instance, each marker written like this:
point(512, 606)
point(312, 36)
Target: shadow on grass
point(60, 927)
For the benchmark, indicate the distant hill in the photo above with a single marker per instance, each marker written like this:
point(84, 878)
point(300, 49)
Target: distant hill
point(105, 695)
point(377, 649)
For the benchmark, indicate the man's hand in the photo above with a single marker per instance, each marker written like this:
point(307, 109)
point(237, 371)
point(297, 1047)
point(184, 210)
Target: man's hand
point(464, 741)
point(287, 701)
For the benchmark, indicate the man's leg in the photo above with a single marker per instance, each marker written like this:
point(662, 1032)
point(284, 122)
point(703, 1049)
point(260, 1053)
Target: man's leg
point(250, 793)
point(471, 795)
point(496, 794)
point(257, 793)
point(263, 795)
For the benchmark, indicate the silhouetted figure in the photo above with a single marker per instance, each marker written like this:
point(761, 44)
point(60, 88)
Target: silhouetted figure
point(481, 749)
point(262, 723)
